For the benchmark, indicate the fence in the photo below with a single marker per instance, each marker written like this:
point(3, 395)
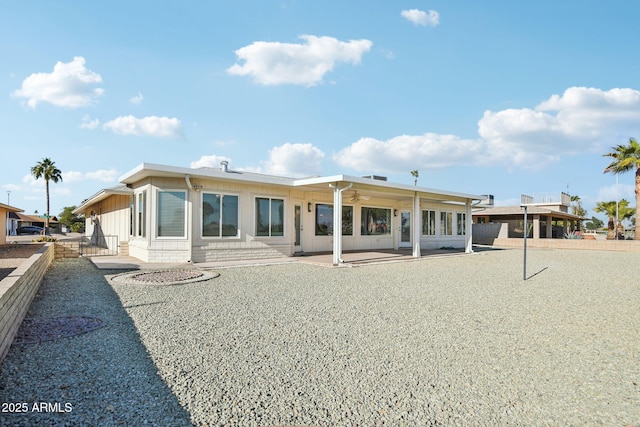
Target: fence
point(98, 245)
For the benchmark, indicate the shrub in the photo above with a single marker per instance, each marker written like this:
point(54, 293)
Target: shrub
point(573, 235)
point(45, 239)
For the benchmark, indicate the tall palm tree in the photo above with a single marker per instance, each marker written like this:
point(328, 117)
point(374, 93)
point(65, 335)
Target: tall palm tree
point(626, 158)
point(46, 169)
point(609, 208)
point(415, 175)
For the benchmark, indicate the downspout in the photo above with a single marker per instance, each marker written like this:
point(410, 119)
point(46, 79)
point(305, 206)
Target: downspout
point(337, 222)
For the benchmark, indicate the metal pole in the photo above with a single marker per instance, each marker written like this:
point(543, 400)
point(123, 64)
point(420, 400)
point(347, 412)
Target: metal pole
point(617, 214)
point(524, 269)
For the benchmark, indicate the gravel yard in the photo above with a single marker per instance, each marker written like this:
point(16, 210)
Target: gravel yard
point(457, 340)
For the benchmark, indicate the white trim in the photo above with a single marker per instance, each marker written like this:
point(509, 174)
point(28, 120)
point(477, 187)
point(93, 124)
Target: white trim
point(284, 217)
point(185, 236)
point(201, 212)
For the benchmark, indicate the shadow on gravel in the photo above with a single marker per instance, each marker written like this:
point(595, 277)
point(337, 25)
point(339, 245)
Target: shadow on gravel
point(104, 377)
point(536, 273)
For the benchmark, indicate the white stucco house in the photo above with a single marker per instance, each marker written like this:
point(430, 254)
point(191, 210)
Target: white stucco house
point(165, 213)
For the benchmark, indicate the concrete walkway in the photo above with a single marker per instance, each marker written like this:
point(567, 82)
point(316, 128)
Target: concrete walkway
point(325, 259)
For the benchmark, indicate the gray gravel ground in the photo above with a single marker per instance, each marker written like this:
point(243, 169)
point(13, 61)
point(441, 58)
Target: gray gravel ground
point(447, 341)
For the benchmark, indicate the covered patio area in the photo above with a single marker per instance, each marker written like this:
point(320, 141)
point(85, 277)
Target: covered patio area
point(325, 259)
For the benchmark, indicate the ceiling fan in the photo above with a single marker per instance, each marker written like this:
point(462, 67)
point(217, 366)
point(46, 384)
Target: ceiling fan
point(357, 197)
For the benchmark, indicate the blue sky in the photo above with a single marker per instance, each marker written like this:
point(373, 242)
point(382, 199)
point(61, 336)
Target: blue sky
point(481, 97)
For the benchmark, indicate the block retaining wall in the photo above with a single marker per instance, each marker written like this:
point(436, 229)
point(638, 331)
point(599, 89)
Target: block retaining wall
point(593, 245)
point(17, 291)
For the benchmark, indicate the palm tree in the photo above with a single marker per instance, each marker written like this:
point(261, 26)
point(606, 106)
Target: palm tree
point(626, 158)
point(415, 175)
point(624, 212)
point(46, 169)
point(577, 209)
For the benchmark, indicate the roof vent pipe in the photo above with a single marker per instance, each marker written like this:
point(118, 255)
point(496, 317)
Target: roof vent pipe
point(224, 165)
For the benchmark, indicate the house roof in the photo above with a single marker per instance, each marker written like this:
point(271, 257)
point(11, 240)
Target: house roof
point(531, 210)
point(317, 183)
point(10, 208)
point(31, 218)
point(101, 195)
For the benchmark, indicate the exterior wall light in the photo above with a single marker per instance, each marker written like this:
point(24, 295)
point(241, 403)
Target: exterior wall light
point(310, 207)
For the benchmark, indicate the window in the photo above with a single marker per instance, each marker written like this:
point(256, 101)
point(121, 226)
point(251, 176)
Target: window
point(269, 217)
point(140, 215)
point(171, 214)
point(446, 223)
point(375, 221)
point(428, 223)
point(219, 215)
point(462, 223)
point(132, 216)
point(324, 220)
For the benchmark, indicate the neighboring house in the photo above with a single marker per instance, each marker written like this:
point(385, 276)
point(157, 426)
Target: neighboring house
point(11, 224)
point(547, 217)
point(175, 214)
point(23, 220)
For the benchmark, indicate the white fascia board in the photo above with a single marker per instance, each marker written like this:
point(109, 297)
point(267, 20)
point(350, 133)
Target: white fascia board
point(384, 185)
point(145, 170)
point(149, 169)
point(101, 195)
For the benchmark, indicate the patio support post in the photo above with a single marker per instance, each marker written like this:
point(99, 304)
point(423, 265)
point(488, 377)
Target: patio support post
point(337, 222)
point(468, 238)
point(536, 227)
point(415, 227)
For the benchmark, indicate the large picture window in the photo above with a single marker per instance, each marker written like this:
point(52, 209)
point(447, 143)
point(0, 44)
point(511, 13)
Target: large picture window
point(269, 217)
point(219, 215)
point(428, 223)
point(324, 220)
point(446, 223)
point(462, 223)
point(171, 213)
point(375, 221)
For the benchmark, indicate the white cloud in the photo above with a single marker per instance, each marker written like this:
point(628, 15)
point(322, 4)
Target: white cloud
point(624, 191)
point(274, 63)
point(212, 161)
point(401, 153)
point(137, 99)
point(294, 160)
point(72, 176)
point(31, 181)
point(582, 120)
point(69, 85)
point(103, 175)
point(420, 17)
point(160, 127)
point(89, 123)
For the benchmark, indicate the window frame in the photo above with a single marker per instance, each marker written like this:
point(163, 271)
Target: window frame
point(446, 223)
point(186, 214)
point(430, 231)
point(345, 208)
point(140, 215)
point(389, 221)
point(270, 225)
point(221, 216)
point(461, 227)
